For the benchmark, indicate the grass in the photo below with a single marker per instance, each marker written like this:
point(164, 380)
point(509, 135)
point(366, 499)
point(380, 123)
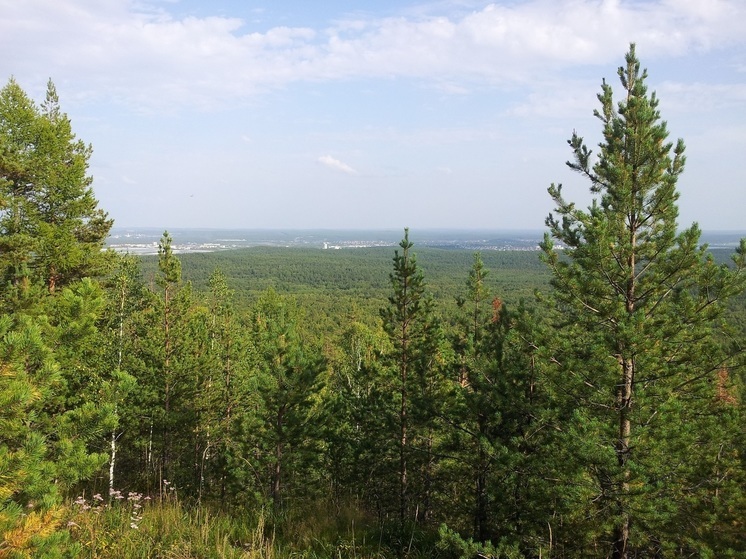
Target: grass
point(131, 527)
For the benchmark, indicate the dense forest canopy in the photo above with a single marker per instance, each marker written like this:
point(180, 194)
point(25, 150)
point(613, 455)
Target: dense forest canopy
point(580, 401)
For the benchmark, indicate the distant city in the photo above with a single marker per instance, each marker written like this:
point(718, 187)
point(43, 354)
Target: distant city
point(143, 241)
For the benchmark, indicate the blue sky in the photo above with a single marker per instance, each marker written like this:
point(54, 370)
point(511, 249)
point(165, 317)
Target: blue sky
point(385, 114)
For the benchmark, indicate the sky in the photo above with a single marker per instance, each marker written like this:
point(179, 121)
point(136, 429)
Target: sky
point(382, 114)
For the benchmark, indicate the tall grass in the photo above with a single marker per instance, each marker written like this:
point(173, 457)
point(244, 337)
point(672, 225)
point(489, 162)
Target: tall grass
point(133, 528)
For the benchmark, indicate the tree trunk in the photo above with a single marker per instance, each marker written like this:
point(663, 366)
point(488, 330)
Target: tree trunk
point(112, 460)
point(277, 473)
point(403, 452)
point(166, 450)
point(403, 370)
point(624, 407)
point(427, 475)
point(480, 497)
point(624, 402)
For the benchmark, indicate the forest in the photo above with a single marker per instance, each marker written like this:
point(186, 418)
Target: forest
point(580, 401)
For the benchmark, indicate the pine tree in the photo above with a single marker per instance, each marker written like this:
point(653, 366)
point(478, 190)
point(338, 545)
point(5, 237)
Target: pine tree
point(131, 328)
point(475, 402)
point(400, 321)
point(287, 370)
point(228, 398)
point(494, 414)
point(636, 352)
point(182, 338)
point(44, 446)
point(419, 359)
point(170, 345)
point(169, 281)
point(125, 297)
point(55, 385)
point(51, 230)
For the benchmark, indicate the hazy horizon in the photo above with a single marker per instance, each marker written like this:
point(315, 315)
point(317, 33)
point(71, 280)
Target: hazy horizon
point(144, 240)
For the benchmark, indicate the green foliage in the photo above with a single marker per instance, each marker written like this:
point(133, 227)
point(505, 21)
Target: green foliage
point(452, 545)
point(357, 418)
point(51, 231)
point(333, 284)
point(634, 400)
point(42, 453)
point(306, 403)
point(287, 370)
point(228, 398)
point(405, 320)
point(495, 415)
point(53, 382)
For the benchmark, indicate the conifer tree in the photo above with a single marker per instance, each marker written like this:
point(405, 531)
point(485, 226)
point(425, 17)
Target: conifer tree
point(636, 350)
point(182, 338)
point(474, 401)
point(44, 443)
point(51, 240)
point(125, 296)
point(227, 401)
point(401, 322)
point(51, 229)
point(493, 412)
point(28, 376)
point(169, 281)
point(170, 345)
point(287, 370)
point(419, 359)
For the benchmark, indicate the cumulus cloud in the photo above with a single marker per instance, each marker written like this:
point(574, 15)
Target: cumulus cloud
point(144, 56)
point(336, 164)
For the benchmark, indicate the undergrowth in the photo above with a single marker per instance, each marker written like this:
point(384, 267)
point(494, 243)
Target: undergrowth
point(130, 526)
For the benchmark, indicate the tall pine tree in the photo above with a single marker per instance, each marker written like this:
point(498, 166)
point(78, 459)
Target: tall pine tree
point(417, 361)
point(54, 383)
point(636, 354)
point(51, 229)
point(402, 322)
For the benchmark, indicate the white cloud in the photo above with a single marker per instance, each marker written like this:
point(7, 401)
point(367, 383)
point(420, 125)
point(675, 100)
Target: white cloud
point(145, 57)
point(683, 97)
point(336, 164)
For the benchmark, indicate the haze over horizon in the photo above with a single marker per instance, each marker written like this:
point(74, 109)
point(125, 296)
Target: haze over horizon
point(450, 114)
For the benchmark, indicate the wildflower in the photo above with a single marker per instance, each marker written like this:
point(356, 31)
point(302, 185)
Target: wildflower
point(98, 497)
point(81, 502)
